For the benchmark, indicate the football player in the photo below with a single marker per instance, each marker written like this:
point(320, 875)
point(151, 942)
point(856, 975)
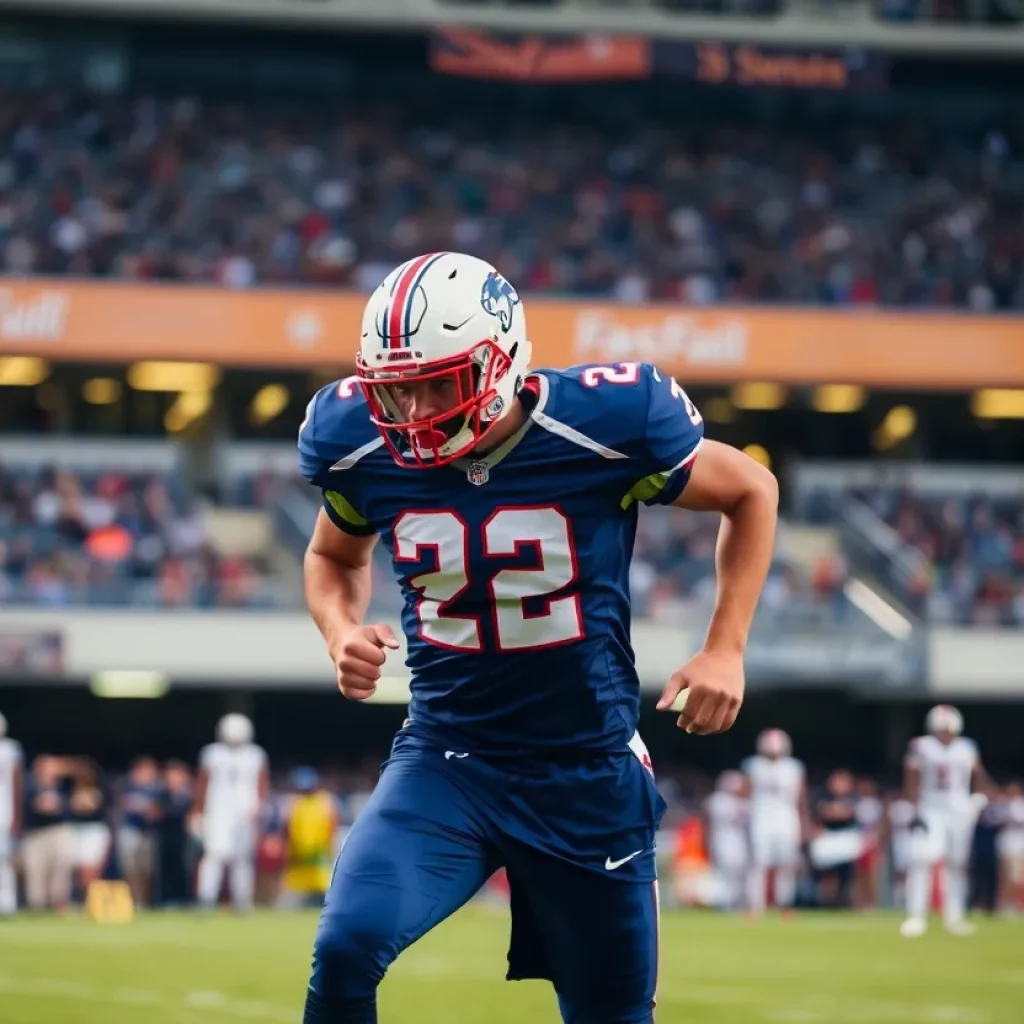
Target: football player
point(11, 789)
point(507, 501)
point(778, 819)
point(728, 812)
point(941, 770)
point(231, 788)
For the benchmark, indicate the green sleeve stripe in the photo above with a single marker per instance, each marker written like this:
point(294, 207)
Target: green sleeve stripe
point(343, 507)
point(645, 490)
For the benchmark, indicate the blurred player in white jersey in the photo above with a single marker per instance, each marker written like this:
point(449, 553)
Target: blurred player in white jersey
point(728, 819)
point(232, 786)
point(900, 816)
point(942, 769)
point(11, 782)
point(778, 819)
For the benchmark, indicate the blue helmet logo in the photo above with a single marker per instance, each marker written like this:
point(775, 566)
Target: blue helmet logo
point(499, 298)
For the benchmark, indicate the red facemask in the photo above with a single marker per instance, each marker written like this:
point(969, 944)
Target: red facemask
point(416, 444)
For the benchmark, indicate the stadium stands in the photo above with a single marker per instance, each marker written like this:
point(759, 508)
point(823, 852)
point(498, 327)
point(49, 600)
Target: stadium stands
point(114, 538)
point(572, 195)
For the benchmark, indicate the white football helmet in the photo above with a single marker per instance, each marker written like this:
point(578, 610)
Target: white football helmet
point(235, 730)
point(944, 720)
point(442, 315)
point(731, 782)
point(3, 726)
point(774, 743)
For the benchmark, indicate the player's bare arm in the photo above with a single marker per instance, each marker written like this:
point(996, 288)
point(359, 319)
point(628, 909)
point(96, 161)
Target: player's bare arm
point(981, 781)
point(199, 798)
point(18, 798)
point(747, 495)
point(912, 788)
point(804, 810)
point(337, 578)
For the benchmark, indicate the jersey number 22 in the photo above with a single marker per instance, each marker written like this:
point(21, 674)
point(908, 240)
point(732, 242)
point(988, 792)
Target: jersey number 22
point(505, 533)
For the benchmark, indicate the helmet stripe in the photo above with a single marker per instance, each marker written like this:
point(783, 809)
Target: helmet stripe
point(400, 310)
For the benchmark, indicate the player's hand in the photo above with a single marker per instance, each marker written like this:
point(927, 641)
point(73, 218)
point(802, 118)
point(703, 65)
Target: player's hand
point(360, 658)
point(714, 682)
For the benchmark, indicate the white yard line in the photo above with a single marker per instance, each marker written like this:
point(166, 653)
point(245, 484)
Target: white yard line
point(199, 1002)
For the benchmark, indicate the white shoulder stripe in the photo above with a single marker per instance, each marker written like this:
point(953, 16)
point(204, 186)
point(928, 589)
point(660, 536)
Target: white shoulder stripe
point(688, 461)
point(350, 460)
point(553, 426)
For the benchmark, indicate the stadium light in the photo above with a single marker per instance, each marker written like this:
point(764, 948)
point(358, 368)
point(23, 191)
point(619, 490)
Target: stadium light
point(899, 423)
point(998, 404)
point(391, 690)
point(718, 410)
point(758, 395)
point(838, 398)
point(759, 454)
point(129, 683)
point(168, 376)
point(269, 402)
point(23, 371)
point(102, 391)
point(188, 407)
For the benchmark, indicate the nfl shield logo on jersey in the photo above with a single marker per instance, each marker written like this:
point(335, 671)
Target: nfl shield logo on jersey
point(478, 473)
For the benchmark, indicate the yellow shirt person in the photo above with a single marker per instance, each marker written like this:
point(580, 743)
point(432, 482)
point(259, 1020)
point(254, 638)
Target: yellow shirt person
point(311, 822)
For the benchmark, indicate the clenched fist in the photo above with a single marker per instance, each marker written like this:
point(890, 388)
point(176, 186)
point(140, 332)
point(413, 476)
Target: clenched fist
point(358, 660)
point(714, 683)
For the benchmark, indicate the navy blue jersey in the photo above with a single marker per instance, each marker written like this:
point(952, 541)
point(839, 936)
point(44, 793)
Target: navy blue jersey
point(515, 565)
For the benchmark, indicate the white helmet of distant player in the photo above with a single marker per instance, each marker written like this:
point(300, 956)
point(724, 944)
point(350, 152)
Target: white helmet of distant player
point(732, 782)
point(235, 730)
point(774, 743)
point(442, 315)
point(944, 720)
point(3, 726)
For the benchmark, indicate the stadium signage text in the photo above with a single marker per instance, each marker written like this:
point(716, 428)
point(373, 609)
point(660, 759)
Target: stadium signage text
point(92, 321)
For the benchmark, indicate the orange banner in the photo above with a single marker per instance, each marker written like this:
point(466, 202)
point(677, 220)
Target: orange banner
point(121, 322)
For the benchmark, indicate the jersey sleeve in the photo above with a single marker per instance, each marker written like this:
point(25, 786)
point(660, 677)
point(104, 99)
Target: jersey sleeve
point(206, 756)
point(915, 753)
point(672, 435)
point(322, 442)
point(971, 751)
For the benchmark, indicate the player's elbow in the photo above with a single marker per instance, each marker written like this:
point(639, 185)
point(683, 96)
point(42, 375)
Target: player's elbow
point(760, 489)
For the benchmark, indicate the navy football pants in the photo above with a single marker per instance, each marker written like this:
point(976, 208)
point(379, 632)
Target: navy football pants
point(419, 850)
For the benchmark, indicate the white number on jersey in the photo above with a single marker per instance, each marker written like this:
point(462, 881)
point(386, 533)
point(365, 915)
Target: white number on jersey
point(691, 409)
point(506, 532)
point(622, 373)
point(629, 373)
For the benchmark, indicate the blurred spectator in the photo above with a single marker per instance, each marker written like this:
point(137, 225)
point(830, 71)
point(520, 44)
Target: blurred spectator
point(88, 810)
point(1010, 850)
point(173, 843)
point(870, 813)
point(48, 848)
point(312, 820)
point(272, 851)
point(835, 814)
point(984, 868)
point(141, 806)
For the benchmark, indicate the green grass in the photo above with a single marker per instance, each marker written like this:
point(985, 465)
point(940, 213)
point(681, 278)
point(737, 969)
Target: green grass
point(816, 969)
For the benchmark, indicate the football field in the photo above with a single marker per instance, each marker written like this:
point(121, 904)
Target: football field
point(816, 969)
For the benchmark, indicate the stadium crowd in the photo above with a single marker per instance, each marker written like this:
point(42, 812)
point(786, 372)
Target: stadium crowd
point(572, 196)
point(113, 538)
point(974, 548)
point(116, 538)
